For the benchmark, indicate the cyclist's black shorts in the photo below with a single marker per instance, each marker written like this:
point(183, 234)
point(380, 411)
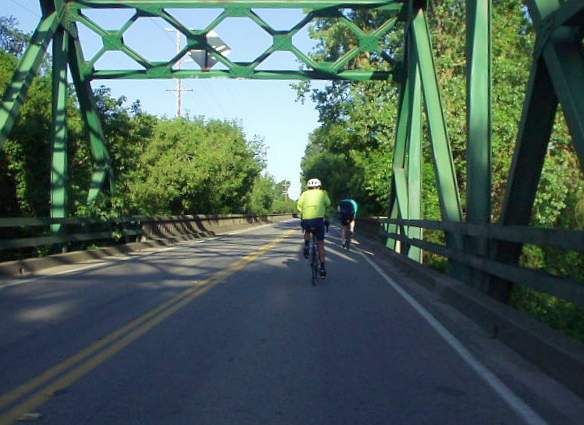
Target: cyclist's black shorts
point(347, 218)
point(316, 225)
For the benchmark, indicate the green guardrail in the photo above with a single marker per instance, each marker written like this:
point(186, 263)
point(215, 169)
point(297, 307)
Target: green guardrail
point(560, 287)
point(26, 233)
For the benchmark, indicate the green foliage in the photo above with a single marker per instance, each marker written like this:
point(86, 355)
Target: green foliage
point(162, 166)
point(12, 40)
point(268, 196)
point(194, 166)
point(564, 316)
point(24, 174)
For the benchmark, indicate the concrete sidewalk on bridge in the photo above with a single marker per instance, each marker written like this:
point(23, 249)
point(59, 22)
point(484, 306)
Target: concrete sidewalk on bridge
point(481, 322)
point(159, 237)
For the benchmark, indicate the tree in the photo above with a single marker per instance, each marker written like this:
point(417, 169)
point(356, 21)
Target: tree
point(12, 40)
point(196, 166)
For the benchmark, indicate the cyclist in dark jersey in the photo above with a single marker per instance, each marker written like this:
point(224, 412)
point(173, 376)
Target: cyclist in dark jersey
point(347, 212)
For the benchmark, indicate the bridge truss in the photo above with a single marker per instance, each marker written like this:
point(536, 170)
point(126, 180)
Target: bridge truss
point(475, 246)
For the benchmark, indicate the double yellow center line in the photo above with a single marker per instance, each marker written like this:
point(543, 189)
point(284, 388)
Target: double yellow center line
point(75, 367)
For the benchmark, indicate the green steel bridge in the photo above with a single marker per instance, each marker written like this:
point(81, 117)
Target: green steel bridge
point(482, 252)
point(485, 254)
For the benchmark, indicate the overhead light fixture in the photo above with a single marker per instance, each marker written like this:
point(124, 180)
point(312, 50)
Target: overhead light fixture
point(204, 58)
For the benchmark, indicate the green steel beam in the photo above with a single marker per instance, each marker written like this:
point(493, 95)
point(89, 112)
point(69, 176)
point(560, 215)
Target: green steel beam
point(113, 40)
point(570, 13)
point(27, 68)
point(400, 183)
point(448, 192)
point(478, 110)
point(59, 142)
point(399, 150)
point(392, 213)
point(540, 10)
point(400, 139)
point(399, 155)
point(414, 165)
point(564, 288)
point(564, 239)
point(233, 4)
point(557, 76)
point(535, 129)
point(447, 184)
point(102, 167)
point(240, 72)
point(565, 64)
point(47, 7)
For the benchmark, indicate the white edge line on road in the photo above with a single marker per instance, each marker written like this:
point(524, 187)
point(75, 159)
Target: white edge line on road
point(137, 254)
point(513, 401)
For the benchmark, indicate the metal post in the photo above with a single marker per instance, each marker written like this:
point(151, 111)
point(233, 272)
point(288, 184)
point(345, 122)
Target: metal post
point(179, 83)
point(478, 110)
point(447, 184)
point(178, 80)
point(102, 168)
point(59, 142)
point(414, 153)
point(444, 165)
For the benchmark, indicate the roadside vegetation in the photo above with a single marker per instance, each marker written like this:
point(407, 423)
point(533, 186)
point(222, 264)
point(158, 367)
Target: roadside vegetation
point(162, 166)
point(351, 151)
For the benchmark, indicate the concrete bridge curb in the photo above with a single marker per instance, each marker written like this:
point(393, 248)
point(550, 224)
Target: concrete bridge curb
point(161, 232)
point(557, 355)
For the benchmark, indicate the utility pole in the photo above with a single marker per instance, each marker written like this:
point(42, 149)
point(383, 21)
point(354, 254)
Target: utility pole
point(179, 83)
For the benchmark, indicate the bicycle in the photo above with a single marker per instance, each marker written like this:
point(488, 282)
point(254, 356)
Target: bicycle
point(314, 261)
point(347, 241)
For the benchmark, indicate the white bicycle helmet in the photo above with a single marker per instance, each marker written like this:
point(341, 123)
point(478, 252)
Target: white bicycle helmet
point(314, 183)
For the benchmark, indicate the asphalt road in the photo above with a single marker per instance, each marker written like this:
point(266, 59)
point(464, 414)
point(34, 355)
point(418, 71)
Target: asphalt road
point(230, 331)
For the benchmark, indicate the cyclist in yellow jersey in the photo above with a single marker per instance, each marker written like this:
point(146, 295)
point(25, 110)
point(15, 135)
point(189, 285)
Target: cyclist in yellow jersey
point(312, 206)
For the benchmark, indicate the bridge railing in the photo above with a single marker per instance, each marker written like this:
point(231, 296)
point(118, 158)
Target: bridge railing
point(36, 232)
point(568, 240)
point(24, 237)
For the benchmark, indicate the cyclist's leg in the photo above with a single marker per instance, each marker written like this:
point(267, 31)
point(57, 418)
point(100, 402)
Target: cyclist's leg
point(344, 228)
point(306, 228)
point(319, 232)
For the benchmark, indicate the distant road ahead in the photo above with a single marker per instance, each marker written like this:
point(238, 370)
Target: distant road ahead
point(229, 331)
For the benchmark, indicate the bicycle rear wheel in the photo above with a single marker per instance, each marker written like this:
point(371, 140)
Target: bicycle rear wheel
point(314, 262)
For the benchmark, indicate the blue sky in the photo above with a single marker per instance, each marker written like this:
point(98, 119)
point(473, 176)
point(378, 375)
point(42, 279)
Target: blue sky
point(264, 108)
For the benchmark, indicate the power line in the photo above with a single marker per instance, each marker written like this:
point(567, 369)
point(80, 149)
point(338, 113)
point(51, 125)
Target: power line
point(179, 85)
point(34, 12)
